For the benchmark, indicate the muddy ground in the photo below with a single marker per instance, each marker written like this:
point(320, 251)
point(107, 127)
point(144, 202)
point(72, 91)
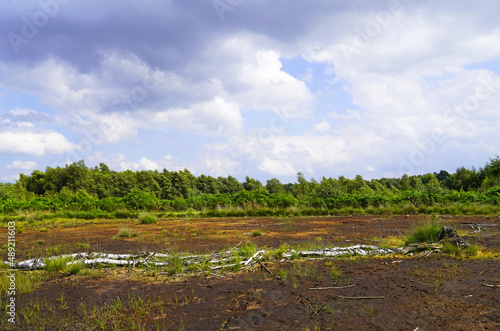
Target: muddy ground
point(436, 292)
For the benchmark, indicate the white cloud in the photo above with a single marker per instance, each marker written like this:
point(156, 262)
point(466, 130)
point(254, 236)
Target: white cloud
point(213, 117)
point(22, 165)
point(322, 126)
point(34, 143)
point(167, 162)
point(277, 167)
point(143, 164)
point(221, 167)
point(273, 89)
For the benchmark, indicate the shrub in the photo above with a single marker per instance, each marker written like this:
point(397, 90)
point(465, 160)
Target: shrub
point(256, 233)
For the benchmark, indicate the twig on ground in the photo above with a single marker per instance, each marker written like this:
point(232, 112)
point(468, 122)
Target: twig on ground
point(315, 312)
point(359, 298)
point(330, 287)
point(232, 249)
point(266, 268)
point(490, 285)
point(414, 281)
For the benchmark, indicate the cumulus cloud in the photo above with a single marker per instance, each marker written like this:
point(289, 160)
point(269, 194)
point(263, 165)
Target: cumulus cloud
point(37, 143)
point(213, 117)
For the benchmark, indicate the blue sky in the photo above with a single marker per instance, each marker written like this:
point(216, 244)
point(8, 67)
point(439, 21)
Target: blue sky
point(259, 88)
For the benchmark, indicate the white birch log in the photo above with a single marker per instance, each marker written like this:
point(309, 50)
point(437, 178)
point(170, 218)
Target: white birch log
point(158, 259)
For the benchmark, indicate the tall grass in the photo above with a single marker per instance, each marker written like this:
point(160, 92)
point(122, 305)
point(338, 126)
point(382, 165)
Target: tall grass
point(425, 233)
point(148, 219)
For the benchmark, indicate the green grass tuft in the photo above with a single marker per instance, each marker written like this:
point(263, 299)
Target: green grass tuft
point(256, 233)
point(425, 233)
point(56, 264)
point(148, 219)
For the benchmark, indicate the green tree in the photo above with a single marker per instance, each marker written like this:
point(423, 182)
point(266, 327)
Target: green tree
point(251, 184)
point(404, 183)
point(417, 184)
point(433, 186)
point(207, 184)
point(492, 173)
point(274, 186)
point(328, 187)
point(229, 185)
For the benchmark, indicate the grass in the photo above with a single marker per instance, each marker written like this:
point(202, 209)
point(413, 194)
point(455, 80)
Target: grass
point(125, 233)
point(247, 250)
point(26, 281)
point(73, 268)
point(175, 264)
point(147, 218)
point(256, 233)
point(457, 251)
point(427, 232)
point(335, 275)
point(56, 264)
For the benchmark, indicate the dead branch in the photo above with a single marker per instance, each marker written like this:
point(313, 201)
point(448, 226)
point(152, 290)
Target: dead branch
point(489, 285)
point(330, 287)
point(315, 312)
point(359, 298)
point(267, 269)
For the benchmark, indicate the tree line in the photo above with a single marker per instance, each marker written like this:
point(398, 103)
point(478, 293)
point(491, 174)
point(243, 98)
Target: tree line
point(77, 186)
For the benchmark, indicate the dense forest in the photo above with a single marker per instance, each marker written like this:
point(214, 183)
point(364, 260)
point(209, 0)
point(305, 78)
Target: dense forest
point(80, 188)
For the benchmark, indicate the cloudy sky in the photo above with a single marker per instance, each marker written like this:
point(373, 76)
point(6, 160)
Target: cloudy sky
point(250, 87)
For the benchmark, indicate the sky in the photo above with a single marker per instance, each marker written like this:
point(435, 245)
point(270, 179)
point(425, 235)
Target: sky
point(255, 88)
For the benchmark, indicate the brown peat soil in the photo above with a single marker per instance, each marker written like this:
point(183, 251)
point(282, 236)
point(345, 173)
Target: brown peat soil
point(434, 291)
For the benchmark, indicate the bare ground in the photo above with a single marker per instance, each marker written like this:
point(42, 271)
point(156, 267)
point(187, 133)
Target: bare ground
point(437, 292)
